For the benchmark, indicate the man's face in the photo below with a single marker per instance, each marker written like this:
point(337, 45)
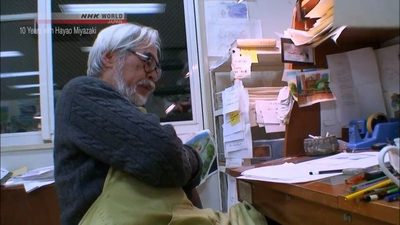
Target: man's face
point(131, 78)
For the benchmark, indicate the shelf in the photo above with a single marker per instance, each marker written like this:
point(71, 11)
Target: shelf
point(267, 60)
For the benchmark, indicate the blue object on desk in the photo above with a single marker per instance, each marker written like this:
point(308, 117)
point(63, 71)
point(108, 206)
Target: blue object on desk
point(382, 133)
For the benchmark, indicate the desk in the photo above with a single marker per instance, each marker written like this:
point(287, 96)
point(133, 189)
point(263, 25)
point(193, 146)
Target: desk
point(39, 207)
point(313, 203)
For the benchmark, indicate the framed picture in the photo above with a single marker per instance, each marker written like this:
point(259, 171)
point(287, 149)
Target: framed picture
point(296, 54)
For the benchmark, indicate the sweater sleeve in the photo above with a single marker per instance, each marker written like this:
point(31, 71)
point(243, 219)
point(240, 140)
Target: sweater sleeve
point(107, 127)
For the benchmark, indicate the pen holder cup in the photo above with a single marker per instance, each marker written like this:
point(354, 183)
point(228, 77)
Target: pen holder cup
point(394, 160)
point(321, 146)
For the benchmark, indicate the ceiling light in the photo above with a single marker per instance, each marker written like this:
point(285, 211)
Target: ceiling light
point(86, 49)
point(33, 94)
point(170, 108)
point(187, 75)
point(142, 8)
point(23, 86)
point(17, 17)
point(19, 74)
point(4, 54)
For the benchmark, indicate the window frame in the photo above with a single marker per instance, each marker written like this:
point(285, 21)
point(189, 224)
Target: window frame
point(44, 138)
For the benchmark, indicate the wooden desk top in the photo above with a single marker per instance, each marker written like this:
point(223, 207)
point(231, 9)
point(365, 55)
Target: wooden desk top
point(326, 193)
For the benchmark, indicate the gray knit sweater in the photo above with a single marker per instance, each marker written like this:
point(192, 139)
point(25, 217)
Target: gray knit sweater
point(97, 128)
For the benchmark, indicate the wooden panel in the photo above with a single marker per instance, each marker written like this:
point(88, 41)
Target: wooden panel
point(388, 212)
point(296, 204)
point(39, 207)
point(303, 121)
point(14, 207)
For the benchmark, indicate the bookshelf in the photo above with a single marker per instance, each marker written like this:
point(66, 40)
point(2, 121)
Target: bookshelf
point(361, 32)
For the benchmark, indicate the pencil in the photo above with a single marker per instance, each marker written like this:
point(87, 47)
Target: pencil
point(363, 191)
point(367, 183)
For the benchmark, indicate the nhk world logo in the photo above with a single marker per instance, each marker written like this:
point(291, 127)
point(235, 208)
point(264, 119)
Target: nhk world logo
point(86, 18)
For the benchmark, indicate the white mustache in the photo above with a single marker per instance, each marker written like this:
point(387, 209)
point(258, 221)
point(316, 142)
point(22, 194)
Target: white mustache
point(147, 83)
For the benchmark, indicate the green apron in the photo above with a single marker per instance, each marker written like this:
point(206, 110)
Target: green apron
point(128, 201)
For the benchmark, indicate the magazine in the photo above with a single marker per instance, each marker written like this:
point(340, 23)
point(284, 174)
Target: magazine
point(203, 143)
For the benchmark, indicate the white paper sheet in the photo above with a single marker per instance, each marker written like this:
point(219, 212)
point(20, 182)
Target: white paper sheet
point(388, 62)
point(267, 111)
point(299, 173)
point(232, 191)
point(366, 78)
point(241, 148)
point(230, 101)
point(273, 128)
point(222, 33)
point(320, 9)
point(33, 179)
point(355, 81)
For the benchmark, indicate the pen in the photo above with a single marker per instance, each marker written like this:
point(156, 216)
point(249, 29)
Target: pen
point(326, 172)
point(356, 194)
point(392, 197)
point(391, 191)
point(378, 193)
point(347, 171)
point(373, 197)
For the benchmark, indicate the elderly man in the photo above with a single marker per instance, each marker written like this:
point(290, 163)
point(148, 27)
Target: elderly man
point(100, 124)
point(114, 163)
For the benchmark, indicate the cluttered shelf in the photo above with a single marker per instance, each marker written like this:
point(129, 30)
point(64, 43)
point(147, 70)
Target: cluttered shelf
point(335, 30)
point(305, 52)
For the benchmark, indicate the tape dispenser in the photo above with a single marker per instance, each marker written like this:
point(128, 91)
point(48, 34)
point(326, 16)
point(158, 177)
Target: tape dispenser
point(376, 129)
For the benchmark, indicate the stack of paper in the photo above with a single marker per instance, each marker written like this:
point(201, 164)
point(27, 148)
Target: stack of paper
point(236, 127)
point(308, 171)
point(33, 179)
point(5, 175)
point(263, 108)
point(321, 30)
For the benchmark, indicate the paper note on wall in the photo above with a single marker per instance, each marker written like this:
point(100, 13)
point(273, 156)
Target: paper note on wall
point(230, 101)
point(229, 127)
point(354, 78)
point(241, 65)
point(388, 61)
point(221, 33)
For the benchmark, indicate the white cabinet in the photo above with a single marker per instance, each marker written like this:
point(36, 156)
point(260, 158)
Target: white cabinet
point(266, 72)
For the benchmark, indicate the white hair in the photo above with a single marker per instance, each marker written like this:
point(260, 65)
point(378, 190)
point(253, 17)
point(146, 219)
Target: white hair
point(118, 38)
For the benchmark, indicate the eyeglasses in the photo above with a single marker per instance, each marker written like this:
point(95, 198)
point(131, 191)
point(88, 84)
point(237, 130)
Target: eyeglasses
point(150, 63)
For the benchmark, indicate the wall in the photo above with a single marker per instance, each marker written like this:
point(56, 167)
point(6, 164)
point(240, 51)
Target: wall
point(35, 158)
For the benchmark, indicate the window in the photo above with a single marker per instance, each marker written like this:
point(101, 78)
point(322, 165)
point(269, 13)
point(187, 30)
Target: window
point(24, 75)
point(51, 48)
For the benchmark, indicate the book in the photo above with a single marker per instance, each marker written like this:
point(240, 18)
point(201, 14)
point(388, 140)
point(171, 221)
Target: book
point(5, 175)
point(204, 144)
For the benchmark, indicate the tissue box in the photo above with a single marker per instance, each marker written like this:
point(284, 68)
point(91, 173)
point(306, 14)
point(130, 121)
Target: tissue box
point(321, 146)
